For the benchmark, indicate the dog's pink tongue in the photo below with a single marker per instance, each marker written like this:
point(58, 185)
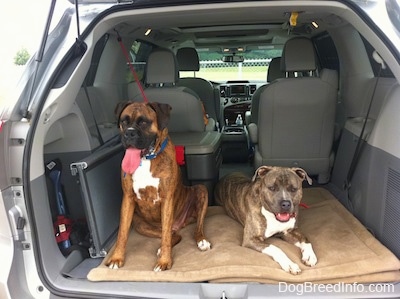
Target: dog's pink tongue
point(283, 217)
point(131, 160)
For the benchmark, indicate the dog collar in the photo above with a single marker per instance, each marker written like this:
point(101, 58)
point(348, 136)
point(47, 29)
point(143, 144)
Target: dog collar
point(152, 155)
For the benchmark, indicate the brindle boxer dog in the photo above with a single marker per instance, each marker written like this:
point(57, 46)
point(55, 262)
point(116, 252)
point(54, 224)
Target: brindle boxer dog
point(154, 197)
point(267, 205)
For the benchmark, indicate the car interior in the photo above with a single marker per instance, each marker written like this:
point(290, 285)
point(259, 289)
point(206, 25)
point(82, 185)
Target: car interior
point(317, 98)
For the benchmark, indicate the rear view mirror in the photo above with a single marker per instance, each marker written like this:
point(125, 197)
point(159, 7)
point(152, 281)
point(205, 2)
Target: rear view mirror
point(233, 58)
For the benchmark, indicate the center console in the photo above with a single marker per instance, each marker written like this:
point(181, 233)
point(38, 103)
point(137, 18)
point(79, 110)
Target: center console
point(236, 98)
point(235, 146)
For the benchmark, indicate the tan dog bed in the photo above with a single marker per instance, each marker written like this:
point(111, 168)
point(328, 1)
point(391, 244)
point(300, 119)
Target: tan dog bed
point(346, 252)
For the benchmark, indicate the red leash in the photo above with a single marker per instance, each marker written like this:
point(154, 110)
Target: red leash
point(304, 205)
point(125, 52)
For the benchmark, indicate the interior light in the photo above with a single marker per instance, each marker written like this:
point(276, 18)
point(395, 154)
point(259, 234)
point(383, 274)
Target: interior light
point(240, 49)
point(315, 24)
point(148, 31)
point(226, 49)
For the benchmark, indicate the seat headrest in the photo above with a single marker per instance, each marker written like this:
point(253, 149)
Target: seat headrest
point(274, 70)
point(162, 67)
point(298, 55)
point(188, 59)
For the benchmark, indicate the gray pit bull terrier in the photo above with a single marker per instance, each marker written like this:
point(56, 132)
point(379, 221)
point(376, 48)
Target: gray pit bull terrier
point(267, 205)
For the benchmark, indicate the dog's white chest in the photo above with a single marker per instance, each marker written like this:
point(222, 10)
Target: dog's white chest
point(274, 226)
point(143, 178)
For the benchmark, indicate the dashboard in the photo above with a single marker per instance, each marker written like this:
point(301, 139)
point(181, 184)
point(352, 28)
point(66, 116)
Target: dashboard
point(236, 99)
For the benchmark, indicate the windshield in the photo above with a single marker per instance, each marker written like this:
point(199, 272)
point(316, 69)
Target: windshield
point(253, 68)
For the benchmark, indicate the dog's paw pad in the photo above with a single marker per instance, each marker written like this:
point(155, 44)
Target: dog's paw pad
point(204, 245)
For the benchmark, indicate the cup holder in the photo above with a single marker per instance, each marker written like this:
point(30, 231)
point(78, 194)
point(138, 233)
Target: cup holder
point(233, 130)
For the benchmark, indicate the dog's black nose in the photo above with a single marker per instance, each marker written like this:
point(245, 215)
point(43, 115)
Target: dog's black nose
point(286, 205)
point(130, 133)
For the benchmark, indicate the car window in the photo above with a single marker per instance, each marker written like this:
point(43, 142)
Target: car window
point(254, 67)
point(139, 52)
point(386, 72)
point(98, 50)
point(326, 52)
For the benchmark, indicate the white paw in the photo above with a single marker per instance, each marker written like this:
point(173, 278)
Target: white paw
point(308, 256)
point(204, 245)
point(157, 269)
point(282, 259)
point(113, 266)
point(291, 268)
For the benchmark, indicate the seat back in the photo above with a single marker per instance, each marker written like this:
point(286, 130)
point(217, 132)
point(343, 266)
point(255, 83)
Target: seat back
point(160, 81)
point(297, 115)
point(188, 60)
point(274, 72)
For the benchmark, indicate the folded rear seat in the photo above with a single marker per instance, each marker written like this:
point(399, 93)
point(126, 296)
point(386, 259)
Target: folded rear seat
point(187, 126)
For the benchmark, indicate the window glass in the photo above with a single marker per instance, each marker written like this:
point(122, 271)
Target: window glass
point(254, 67)
point(98, 50)
point(139, 52)
point(387, 73)
point(326, 52)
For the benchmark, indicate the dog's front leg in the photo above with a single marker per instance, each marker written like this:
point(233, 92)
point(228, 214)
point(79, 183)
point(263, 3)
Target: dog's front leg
point(117, 259)
point(201, 204)
point(282, 259)
point(257, 241)
point(167, 215)
point(295, 237)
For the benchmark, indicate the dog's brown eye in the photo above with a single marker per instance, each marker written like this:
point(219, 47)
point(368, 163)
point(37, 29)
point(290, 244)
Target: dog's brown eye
point(125, 120)
point(142, 122)
point(272, 188)
point(292, 189)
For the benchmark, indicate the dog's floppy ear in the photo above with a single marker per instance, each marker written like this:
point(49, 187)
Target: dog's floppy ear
point(119, 108)
point(261, 171)
point(163, 112)
point(302, 174)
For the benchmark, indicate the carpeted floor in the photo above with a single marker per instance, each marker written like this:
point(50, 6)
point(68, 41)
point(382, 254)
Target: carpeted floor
point(346, 252)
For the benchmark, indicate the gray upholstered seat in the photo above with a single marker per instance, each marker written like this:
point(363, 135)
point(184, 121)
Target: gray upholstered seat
point(188, 60)
point(296, 115)
point(160, 80)
point(274, 72)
